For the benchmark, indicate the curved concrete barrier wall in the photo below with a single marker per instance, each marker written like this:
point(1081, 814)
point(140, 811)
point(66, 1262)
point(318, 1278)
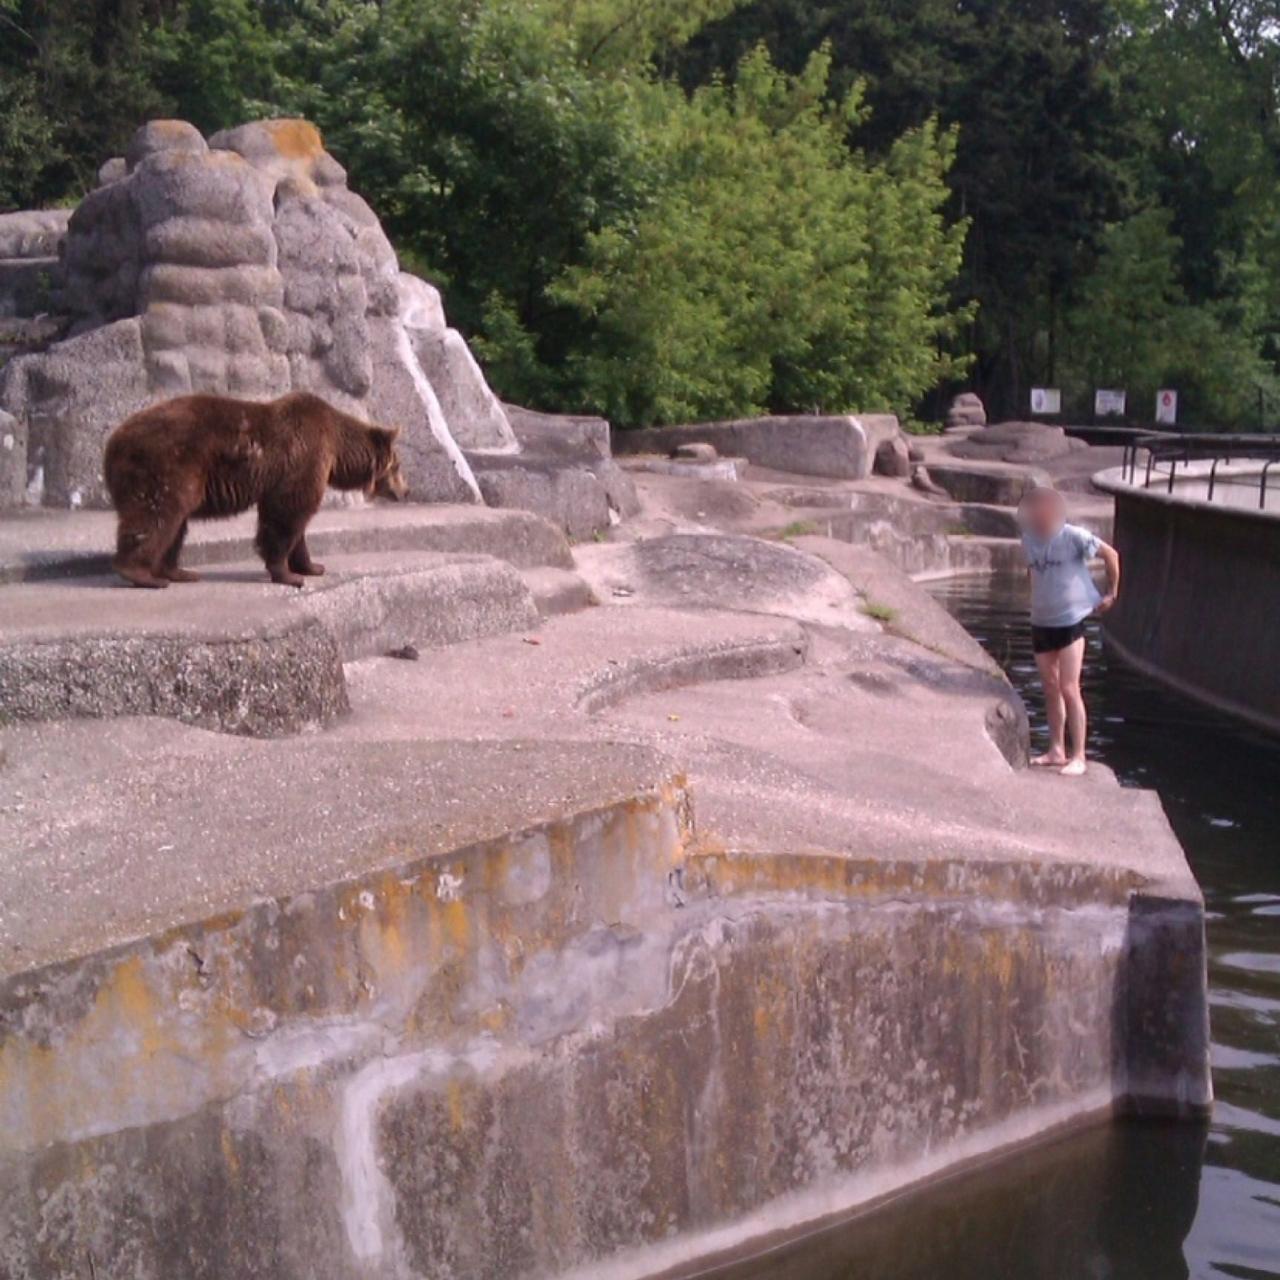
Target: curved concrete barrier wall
point(1201, 604)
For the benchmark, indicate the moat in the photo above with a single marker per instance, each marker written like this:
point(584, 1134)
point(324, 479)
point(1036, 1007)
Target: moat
point(1133, 1201)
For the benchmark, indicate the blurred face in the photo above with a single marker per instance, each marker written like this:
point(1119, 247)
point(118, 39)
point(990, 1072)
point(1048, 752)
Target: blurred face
point(1042, 513)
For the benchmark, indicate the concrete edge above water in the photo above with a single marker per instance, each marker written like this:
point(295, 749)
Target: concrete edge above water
point(590, 1000)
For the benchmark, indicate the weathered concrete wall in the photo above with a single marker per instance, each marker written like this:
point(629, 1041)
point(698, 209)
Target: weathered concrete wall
point(590, 1047)
point(840, 446)
point(1201, 605)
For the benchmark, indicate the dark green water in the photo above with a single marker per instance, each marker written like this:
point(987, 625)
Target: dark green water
point(1127, 1201)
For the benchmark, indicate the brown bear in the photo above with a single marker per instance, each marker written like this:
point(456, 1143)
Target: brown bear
point(204, 456)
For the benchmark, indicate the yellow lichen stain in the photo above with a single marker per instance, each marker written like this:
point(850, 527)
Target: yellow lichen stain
point(457, 924)
point(229, 1154)
point(496, 1018)
point(383, 930)
point(455, 1100)
point(760, 1019)
point(1000, 958)
point(295, 139)
point(136, 1003)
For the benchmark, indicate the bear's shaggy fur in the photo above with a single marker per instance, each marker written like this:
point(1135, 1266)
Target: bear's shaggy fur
point(205, 456)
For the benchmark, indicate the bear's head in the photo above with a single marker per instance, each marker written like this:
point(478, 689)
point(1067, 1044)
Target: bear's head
point(388, 480)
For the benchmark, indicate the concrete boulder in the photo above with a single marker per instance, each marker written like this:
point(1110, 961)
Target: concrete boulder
point(552, 443)
point(570, 497)
point(893, 458)
point(842, 447)
point(695, 451)
point(241, 265)
point(474, 414)
point(967, 410)
point(69, 399)
point(1024, 442)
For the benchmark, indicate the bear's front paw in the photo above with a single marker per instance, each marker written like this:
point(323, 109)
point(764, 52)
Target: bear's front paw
point(287, 578)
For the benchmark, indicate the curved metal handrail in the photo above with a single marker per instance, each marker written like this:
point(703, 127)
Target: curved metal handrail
point(1167, 450)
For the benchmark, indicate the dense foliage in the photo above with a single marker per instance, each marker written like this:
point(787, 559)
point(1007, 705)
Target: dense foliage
point(668, 210)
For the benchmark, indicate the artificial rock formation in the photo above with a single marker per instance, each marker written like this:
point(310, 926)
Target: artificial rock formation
point(967, 410)
point(242, 265)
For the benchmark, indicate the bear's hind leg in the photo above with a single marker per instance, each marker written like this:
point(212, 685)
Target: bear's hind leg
point(169, 568)
point(300, 560)
point(140, 552)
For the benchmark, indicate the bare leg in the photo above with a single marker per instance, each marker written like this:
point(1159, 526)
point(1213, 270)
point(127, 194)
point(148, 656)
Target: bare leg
point(1070, 663)
point(300, 560)
point(1055, 708)
point(169, 564)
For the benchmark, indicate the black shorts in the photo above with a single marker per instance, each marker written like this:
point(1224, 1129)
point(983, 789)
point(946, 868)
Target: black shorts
point(1051, 639)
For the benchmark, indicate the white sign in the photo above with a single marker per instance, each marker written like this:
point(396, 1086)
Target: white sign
point(1046, 400)
point(1108, 404)
point(1167, 407)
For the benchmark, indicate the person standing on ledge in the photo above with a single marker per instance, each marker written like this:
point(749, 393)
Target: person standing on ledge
point(1063, 595)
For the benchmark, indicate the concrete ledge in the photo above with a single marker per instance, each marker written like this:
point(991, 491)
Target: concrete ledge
point(579, 1023)
point(842, 447)
point(274, 678)
point(994, 483)
point(724, 660)
point(376, 603)
point(569, 496)
point(41, 544)
point(691, 469)
point(575, 438)
point(232, 653)
point(557, 592)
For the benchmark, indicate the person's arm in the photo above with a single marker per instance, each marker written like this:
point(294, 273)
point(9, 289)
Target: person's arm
point(1111, 559)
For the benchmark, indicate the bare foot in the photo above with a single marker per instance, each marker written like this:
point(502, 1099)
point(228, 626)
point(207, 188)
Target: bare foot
point(1050, 760)
point(140, 577)
point(1074, 769)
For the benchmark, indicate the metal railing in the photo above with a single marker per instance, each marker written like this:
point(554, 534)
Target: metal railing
point(1167, 450)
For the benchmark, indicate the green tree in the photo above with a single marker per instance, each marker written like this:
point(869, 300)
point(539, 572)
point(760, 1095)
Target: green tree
point(1133, 326)
point(777, 269)
point(72, 91)
point(1034, 90)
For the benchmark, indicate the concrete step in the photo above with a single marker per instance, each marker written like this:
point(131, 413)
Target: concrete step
point(40, 544)
point(968, 553)
point(558, 591)
point(234, 652)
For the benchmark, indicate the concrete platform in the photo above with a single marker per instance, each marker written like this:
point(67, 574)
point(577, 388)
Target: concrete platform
point(584, 948)
point(43, 543)
point(925, 536)
point(235, 653)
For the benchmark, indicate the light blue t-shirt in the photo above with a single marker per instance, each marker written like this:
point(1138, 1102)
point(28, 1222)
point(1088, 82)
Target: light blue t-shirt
point(1062, 588)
